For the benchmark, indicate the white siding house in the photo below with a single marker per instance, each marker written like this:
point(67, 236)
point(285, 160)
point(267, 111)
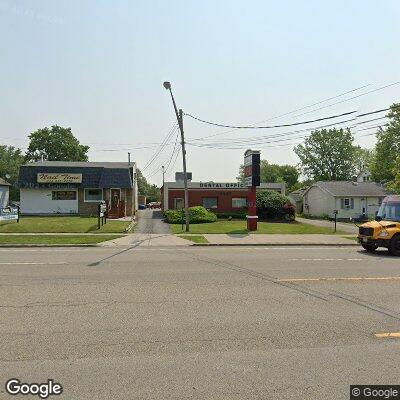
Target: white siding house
point(4, 193)
point(350, 199)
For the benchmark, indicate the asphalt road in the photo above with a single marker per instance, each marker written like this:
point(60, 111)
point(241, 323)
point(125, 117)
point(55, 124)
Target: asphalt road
point(199, 323)
point(150, 221)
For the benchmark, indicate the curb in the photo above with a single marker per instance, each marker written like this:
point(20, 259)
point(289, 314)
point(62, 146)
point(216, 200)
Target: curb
point(49, 245)
point(277, 244)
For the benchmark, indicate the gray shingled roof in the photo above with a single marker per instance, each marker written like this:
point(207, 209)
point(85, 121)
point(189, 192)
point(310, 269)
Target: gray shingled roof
point(4, 183)
point(94, 175)
point(80, 164)
point(345, 188)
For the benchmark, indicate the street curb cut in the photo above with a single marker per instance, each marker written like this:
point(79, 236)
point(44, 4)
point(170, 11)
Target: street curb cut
point(277, 244)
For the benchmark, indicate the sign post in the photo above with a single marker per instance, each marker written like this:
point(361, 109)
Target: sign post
point(252, 180)
point(101, 216)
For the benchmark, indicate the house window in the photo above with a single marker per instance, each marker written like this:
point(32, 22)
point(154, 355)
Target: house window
point(93, 195)
point(347, 204)
point(239, 202)
point(63, 195)
point(178, 203)
point(210, 202)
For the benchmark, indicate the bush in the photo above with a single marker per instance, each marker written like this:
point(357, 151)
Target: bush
point(197, 215)
point(273, 205)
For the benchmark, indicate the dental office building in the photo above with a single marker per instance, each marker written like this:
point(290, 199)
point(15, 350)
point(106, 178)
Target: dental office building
point(68, 187)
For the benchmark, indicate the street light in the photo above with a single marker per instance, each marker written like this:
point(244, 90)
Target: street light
point(179, 117)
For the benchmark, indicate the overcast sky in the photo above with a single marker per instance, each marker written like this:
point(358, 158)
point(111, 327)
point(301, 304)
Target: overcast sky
point(97, 66)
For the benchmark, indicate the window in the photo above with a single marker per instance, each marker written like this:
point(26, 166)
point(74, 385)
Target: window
point(210, 202)
point(93, 195)
point(239, 202)
point(178, 203)
point(63, 195)
point(347, 204)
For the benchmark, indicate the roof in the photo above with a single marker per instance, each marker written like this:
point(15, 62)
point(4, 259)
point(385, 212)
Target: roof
point(4, 183)
point(297, 195)
point(94, 175)
point(355, 189)
point(80, 164)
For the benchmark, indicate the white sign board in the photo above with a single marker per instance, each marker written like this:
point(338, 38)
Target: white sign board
point(8, 214)
point(45, 177)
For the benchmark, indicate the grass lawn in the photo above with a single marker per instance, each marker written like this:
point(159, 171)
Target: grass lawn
point(239, 227)
point(61, 225)
point(195, 238)
point(55, 239)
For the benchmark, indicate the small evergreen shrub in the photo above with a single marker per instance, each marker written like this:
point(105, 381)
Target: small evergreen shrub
point(197, 215)
point(273, 205)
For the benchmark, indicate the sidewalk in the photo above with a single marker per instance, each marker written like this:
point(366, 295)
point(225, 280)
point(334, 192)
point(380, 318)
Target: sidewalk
point(147, 239)
point(341, 226)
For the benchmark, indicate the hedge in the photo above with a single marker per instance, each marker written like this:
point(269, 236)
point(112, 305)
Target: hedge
point(197, 215)
point(273, 205)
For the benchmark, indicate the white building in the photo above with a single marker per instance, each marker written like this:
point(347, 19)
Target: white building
point(350, 199)
point(364, 176)
point(4, 193)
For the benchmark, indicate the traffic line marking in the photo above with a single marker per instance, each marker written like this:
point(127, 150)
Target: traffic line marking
point(388, 335)
point(32, 263)
point(325, 259)
point(374, 278)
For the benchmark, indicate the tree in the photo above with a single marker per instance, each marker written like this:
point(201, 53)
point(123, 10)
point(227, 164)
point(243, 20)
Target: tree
point(328, 155)
point(152, 192)
point(11, 159)
point(395, 185)
point(55, 144)
point(275, 173)
point(363, 159)
point(387, 148)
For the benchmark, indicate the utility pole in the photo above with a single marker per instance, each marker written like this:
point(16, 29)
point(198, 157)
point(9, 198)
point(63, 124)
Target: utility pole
point(179, 117)
point(163, 175)
point(129, 158)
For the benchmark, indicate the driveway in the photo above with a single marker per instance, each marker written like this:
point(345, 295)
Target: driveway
point(150, 221)
point(341, 226)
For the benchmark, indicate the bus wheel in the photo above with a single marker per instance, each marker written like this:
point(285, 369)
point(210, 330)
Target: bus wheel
point(370, 247)
point(394, 247)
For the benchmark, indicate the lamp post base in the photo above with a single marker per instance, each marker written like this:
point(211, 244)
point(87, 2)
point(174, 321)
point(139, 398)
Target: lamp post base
point(252, 222)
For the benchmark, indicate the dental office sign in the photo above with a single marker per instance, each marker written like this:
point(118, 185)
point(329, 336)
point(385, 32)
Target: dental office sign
point(45, 177)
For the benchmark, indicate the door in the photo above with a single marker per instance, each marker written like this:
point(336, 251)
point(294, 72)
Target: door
point(179, 203)
point(115, 200)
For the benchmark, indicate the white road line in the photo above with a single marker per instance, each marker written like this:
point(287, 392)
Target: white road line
point(32, 263)
point(325, 259)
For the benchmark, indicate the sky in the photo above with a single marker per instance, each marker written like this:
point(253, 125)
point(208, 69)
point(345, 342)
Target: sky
point(98, 66)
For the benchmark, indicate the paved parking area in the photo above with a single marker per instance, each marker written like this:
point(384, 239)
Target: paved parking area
point(199, 323)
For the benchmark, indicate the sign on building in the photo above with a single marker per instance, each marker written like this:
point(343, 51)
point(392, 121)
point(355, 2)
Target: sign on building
point(252, 168)
point(46, 177)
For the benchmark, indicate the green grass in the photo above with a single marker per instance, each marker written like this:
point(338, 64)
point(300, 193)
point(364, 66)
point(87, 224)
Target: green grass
point(61, 225)
point(195, 238)
point(239, 227)
point(350, 237)
point(55, 239)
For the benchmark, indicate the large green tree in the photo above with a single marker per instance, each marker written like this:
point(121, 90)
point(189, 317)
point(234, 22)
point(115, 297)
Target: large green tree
point(152, 192)
point(11, 159)
point(55, 144)
point(387, 149)
point(275, 173)
point(328, 155)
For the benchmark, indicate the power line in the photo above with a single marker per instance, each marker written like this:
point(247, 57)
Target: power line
point(327, 106)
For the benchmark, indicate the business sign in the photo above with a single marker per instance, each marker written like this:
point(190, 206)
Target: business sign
point(252, 168)
point(45, 177)
point(217, 185)
point(9, 214)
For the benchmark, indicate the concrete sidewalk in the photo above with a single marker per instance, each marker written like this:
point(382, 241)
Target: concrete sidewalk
point(147, 239)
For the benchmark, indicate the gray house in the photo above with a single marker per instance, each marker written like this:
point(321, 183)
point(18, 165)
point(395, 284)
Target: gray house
point(350, 199)
point(4, 193)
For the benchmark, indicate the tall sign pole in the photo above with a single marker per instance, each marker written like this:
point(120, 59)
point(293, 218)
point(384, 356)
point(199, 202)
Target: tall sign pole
point(252, 180)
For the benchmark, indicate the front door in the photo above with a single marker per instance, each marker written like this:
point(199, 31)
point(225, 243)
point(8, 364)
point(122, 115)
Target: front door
point(115, 200)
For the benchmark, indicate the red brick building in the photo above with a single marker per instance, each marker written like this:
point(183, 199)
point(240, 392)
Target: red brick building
point(217, 196)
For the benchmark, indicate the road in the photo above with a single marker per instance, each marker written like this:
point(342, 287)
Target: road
point(199, 323)
point(150, 221)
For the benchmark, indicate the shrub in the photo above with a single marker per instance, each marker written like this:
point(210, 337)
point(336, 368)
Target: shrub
point(197, 215)
point(273, 205)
